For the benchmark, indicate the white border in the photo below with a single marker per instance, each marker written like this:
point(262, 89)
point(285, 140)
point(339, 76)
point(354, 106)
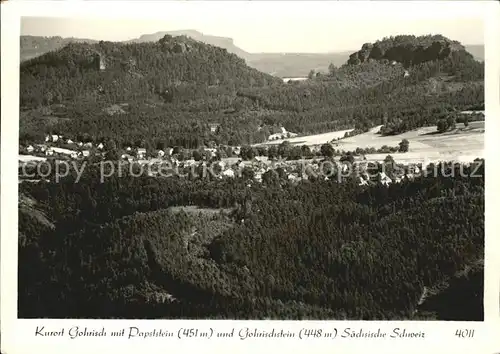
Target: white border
point(17, 335)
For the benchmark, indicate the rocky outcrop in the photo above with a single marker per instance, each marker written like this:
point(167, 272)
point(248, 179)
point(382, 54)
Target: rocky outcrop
point(407, 50)
point(176, 45)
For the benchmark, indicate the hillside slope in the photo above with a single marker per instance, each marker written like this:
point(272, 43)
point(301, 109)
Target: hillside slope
point(318, 249)
point(123, 71)
point(167, 93)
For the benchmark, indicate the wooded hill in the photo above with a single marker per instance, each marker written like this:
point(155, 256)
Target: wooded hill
point(169, 91)
point(278, 64)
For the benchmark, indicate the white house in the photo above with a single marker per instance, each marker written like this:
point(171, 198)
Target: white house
point(85, 153)
point(128, 148)
point(161, 153)
point(100, 146)
point(141, 153)
point(55, 138)
point(30, 148)
point(213, 127)
point(240, 164)
point(212, 151)
point(127, 157)
point(49, 152)
point(384, 179)
point(69, 141)
point(79, 143)
point(47, 138)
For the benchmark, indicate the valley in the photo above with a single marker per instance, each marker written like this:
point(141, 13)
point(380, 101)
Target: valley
point(331, 198)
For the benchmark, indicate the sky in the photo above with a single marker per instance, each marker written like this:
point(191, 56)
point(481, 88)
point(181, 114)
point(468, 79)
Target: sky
point(258, 26)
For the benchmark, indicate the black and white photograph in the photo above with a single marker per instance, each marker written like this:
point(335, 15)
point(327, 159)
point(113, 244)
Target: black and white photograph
point(252, 166)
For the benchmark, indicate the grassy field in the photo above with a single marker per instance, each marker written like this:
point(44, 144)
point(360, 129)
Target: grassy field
point(426, 144)
point(311, 139)
point(462, 144)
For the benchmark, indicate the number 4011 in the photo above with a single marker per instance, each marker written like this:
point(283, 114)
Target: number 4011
point(465, 333)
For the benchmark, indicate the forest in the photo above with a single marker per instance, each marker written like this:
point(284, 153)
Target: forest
point(233, 248)
point(317, 249)
point(169, 92)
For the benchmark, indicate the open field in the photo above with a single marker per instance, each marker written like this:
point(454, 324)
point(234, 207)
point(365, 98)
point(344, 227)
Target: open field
point(462, 144)
point(316, 139)
point(193, 209)
point(426, 145)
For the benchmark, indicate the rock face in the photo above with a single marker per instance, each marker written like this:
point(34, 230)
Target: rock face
point(408, 50)
point(102, 62)
point(176, 45)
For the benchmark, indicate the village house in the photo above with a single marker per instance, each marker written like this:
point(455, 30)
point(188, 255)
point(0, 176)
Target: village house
point(88, 145)
point(212, 151)
point(100, 146)
point(213, 127)
point(127, 157)
point(384, 179)
point(170, 151)
point(141, 153)
point(160, 153)
point(30, 149)
point(239, 164)
point(189, 163)
point(54, 138)
point(85, 153)
point(79, 143)
point(49, 152)
point(69, 141)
